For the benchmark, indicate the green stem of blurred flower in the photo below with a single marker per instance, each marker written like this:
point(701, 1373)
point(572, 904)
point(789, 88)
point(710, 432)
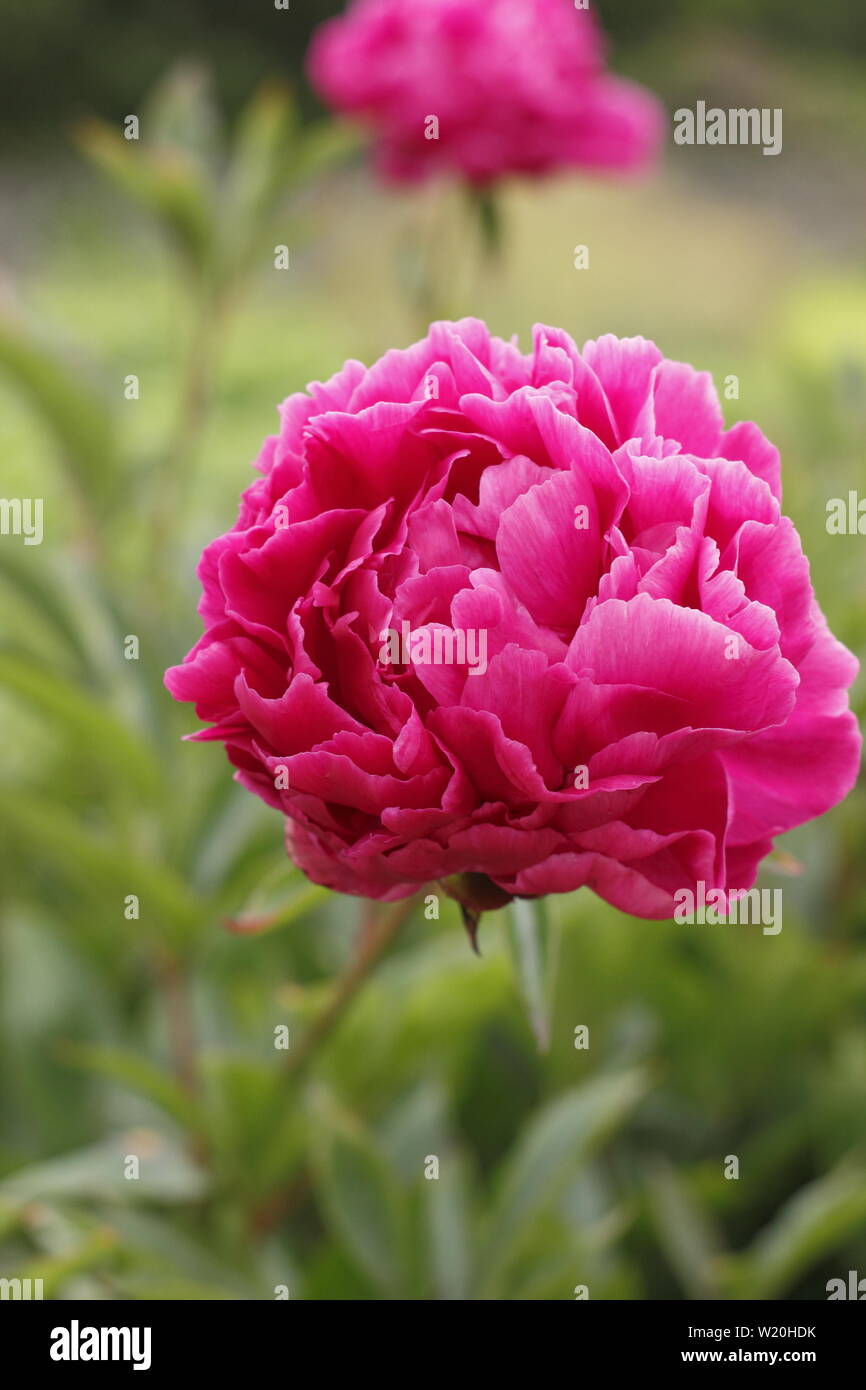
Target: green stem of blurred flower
point(485, 210)
point(378, 929)
point(451, 249)
point(425, 266)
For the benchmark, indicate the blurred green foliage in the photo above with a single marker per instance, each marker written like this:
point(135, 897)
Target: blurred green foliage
point(153, 1036)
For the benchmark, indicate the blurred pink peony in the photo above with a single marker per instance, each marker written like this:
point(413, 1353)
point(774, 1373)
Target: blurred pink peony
point(483, 88)
point(537, 619)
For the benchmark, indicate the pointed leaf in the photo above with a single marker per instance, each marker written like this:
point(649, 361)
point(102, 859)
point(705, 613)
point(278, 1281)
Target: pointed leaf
point(77, 418)
point(821, 1218)
point(165, 180)
point(533, 939)
point(557, 1141)
point(361, 1200)
point(447, 1205)
point(86, 721)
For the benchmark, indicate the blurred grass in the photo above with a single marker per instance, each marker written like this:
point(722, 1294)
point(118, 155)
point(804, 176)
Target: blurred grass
point(601, 1167)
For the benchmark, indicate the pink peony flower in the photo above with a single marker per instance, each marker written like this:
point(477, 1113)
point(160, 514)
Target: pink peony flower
point(536, 619)
point(483, 89)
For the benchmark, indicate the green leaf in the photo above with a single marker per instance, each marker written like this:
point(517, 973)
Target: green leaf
point(256, 1132)
point(557, 1141)
point(35, 586)
point(12, 1218)
point(258, 171)
point(683, 1232)
point(161, 1260)
point(166, 1174)
point(323, 146)
point(360, 1199)
point(165, 180)
point(164, 1287)
point(417, 1124)
point(55, 837)
point(96, 1252)
point(533, 938)
point(447, 1209)
point(821, 1218)
point(552, 1279)
point(181, 113)
point(86, 721)
point(141, 1076)
point(258, 921)
point(77, 418)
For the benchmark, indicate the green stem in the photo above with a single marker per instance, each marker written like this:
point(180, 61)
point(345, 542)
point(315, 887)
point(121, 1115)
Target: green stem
point(173, 981)
point(376, 933)
point(176, 470)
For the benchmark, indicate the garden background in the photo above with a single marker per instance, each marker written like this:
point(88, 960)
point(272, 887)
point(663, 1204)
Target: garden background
point(153, 1037)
